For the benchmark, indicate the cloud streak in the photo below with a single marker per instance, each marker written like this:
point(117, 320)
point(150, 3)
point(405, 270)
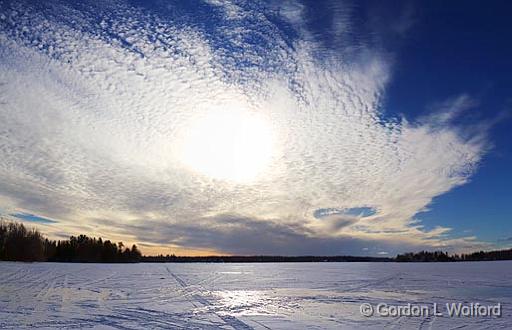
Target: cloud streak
point(94, 108)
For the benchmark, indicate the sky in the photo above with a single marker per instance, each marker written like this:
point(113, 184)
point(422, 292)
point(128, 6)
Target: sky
point(245, 127)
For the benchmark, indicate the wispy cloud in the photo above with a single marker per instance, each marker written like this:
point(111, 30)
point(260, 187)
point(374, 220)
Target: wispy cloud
point(93, 110)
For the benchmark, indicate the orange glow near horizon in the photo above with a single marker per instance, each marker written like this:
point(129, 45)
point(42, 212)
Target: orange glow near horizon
point(184, 252)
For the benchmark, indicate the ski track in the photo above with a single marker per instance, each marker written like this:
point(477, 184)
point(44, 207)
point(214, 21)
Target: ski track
point(229, 320)
point(244, 296)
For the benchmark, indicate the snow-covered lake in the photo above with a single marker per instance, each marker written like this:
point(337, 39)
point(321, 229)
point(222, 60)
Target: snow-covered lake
point(247, 296)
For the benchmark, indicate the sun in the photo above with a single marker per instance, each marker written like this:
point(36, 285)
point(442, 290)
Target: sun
point(229, 144)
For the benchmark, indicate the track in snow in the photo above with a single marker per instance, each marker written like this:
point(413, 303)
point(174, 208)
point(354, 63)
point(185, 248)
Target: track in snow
point(244, 296)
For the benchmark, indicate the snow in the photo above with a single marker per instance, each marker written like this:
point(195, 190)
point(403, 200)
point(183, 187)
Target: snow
point(246, 296)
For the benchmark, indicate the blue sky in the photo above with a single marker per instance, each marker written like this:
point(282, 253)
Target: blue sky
point(455, 49)
point(31, 218)
point(246, 127)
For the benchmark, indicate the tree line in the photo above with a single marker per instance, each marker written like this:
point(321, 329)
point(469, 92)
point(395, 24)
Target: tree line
point(227, 259)
point(440, 256)
point(423, 256)
point(17, 243)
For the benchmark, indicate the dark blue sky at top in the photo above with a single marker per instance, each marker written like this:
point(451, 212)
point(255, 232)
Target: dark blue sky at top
point(455, 48)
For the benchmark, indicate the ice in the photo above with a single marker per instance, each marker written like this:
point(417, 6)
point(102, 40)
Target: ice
point(246, 296)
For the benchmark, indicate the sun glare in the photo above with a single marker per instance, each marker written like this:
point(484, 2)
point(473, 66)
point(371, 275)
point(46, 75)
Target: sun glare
point(232, 145)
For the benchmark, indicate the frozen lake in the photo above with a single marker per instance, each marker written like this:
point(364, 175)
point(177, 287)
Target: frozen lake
point(247, 296)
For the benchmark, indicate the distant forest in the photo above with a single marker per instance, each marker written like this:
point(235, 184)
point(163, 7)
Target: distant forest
point(174, 258)
point(439, 256)
point(18, 243)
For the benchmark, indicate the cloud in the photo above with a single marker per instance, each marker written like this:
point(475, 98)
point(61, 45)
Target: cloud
point(93, 114)
point(445, 112)
point(236, 234)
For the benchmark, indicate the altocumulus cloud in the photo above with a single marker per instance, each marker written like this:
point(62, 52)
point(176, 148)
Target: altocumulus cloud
point(95, 100)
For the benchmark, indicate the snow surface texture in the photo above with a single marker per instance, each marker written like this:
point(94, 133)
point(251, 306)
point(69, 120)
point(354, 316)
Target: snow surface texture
point(245, 296)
